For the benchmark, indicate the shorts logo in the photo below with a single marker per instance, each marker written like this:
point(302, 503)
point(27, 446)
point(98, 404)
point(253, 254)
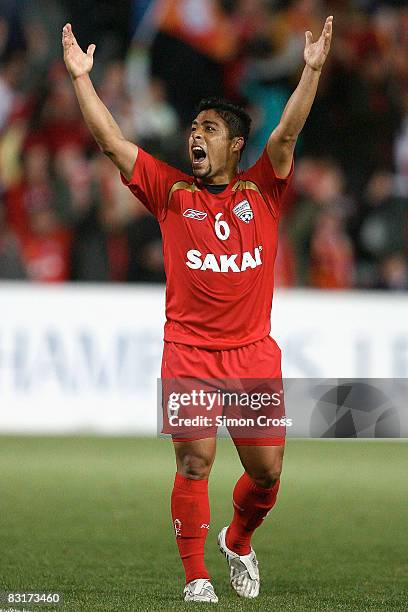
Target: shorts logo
point(244, 211)
point(205, 526)
point(198, 215)
point(177, 528)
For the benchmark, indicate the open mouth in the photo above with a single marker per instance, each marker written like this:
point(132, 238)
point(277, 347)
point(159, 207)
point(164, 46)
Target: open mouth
point(199, 156)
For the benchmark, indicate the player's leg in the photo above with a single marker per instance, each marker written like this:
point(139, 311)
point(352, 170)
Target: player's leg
point(254, 494)
point(190, 510)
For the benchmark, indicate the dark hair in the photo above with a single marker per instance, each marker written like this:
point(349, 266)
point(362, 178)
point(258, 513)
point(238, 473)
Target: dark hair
point(237, 119)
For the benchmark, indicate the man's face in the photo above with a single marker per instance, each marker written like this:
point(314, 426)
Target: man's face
point(210, 145)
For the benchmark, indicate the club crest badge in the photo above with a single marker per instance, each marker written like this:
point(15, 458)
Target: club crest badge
point(244, 211)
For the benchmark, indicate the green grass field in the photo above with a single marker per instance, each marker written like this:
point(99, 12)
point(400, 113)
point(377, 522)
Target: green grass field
point(89, 517)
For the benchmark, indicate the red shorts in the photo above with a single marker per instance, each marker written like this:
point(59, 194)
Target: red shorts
point(260, 360)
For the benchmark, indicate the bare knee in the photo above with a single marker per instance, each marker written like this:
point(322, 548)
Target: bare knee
point(194, 459)
point(263, 464)
point(196, 467)
point(266, 476)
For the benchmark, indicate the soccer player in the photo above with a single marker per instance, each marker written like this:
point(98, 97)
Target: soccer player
point(219, 230)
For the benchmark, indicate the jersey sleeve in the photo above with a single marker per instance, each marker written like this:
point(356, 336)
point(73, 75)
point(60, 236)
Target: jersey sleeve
point(272, 187)
point(151, 182)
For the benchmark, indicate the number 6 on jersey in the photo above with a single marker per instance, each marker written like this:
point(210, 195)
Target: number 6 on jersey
point(222, 229)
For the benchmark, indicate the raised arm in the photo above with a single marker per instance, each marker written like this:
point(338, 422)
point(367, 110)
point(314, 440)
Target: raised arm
point(102, 125)
point(282, 141)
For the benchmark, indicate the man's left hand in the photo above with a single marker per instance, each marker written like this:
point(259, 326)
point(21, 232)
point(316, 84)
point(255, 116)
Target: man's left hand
point(316, 52)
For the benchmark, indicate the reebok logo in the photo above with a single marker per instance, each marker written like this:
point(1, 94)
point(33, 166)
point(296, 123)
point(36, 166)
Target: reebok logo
point(198, 215)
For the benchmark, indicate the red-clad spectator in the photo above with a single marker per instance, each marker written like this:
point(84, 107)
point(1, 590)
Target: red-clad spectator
point(46, 249)
point(61, 124)
point(33, 192)
point(331, 254)
point(285, 263)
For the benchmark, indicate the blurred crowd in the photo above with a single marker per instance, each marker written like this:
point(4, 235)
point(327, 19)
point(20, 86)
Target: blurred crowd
point(64, 214)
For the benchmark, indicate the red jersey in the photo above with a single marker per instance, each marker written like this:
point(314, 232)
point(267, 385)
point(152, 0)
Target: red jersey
point(219, 251)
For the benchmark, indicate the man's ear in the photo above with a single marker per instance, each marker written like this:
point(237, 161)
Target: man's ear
point(238, 144)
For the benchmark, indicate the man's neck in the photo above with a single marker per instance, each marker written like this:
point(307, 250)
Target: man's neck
point(215, 189)
point(223, 178)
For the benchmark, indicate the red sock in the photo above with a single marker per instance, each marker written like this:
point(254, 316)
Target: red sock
point(190, 510)
point(251, 505)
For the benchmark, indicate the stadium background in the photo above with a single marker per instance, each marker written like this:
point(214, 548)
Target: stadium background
point(82, 296)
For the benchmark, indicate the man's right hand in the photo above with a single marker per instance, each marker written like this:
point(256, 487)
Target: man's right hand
point(77, 62)
point(100, 122)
